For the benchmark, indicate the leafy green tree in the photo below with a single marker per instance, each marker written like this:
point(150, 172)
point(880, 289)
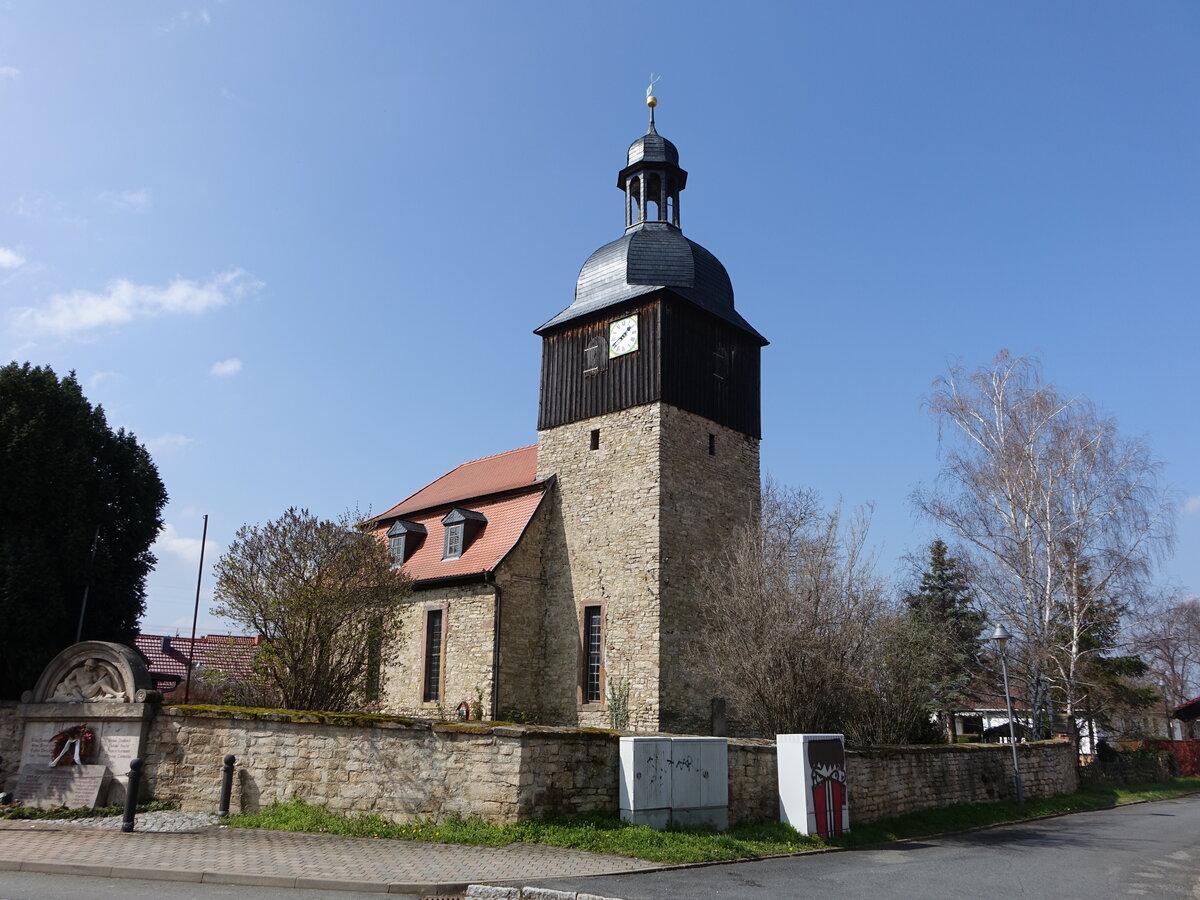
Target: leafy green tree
point(325, 596)
point(69, 484)
point(943, 605)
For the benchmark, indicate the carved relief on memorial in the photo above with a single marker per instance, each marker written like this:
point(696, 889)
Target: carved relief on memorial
point(93, 672)
point(89, 681)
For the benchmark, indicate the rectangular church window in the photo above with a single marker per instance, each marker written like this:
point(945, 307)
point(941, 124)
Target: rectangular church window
point(432, 691)
point(593, 648)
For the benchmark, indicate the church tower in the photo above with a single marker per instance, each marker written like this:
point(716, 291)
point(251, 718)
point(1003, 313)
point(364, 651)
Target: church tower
point(649, 422)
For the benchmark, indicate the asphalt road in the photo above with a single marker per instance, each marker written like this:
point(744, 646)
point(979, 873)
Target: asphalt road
point(1150, 850)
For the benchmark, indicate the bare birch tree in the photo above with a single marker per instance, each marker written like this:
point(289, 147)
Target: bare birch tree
point(1062, 518)
point(1168, 639)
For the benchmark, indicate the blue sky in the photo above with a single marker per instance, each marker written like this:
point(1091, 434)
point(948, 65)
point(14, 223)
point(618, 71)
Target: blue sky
point(299, 248)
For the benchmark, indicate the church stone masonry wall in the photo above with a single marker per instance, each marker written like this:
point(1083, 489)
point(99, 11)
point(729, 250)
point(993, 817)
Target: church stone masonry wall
point(467, 659)
point(706, 500)
point(522, 586)
point(602, 545)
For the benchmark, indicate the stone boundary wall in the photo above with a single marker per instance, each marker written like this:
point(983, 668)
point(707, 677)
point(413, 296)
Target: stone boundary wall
point(891, 781)
point(10, 741)
point(405, 769)
point(896, 780)
point(401, 769)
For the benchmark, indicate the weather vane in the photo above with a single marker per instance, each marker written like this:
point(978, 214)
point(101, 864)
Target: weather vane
point(651, 100)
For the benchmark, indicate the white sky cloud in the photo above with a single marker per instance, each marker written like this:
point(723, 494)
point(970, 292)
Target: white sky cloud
point(135, 201)
point(184, 548)
point(226, 367)
point(78, 312)
point(10, 259)
point(1191, 506)
point(187, 18)
point(32, 206)
point(9, 72)
point(165, 443)
point(98, 377)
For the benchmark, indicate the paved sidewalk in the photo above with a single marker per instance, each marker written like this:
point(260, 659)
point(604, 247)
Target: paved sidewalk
point(221, 855)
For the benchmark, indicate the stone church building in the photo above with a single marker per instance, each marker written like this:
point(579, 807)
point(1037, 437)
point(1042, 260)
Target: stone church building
point(552, 578)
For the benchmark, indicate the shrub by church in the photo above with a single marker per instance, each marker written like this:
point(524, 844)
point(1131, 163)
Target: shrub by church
point(551, 578)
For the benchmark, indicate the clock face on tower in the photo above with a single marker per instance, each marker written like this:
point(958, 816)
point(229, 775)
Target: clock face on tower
point(623, 336)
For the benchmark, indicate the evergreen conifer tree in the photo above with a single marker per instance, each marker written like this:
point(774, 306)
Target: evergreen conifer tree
point(80, 506)
point(942, 605)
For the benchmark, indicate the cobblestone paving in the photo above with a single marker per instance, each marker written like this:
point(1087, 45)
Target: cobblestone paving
point(215, 853)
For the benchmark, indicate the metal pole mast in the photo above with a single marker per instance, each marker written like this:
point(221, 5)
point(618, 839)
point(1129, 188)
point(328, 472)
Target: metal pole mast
point(87, 585)
point(187, 688)
point(1012, 734)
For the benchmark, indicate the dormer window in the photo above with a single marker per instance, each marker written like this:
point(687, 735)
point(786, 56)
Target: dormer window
point(461, 526)
point(403, 540)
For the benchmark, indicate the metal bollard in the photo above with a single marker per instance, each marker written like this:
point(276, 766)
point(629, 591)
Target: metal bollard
point(131, 794)
point(226, 785)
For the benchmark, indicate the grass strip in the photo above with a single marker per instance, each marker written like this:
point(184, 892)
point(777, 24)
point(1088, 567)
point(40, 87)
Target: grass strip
point(600, 834)
point(597, 834)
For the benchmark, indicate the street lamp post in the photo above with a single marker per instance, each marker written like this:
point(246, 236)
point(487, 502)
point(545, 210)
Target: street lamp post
point(1001, 636)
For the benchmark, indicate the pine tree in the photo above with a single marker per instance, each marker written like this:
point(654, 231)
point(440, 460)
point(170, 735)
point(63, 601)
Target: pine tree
point(942, 605)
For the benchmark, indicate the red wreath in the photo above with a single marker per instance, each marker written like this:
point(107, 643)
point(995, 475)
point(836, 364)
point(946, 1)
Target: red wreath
point(73, 745)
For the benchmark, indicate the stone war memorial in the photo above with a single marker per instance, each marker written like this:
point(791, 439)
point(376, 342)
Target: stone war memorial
point(85, 719)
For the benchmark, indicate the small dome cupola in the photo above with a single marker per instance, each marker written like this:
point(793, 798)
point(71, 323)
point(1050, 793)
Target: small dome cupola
point(652, 179)
point(653, 253)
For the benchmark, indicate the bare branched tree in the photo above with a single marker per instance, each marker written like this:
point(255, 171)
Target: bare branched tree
point(1062, 518)
point(799, 632)
point(325, 597)
point(1168, 639)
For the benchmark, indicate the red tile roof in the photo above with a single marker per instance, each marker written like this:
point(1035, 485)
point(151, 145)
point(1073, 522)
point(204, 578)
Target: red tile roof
point(491, 475)
point(507, 519)
point(1187, 711)
point(502, 487)
point(232, 654)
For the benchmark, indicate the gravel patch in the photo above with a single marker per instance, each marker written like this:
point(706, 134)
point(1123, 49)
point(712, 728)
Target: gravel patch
point(164, 820)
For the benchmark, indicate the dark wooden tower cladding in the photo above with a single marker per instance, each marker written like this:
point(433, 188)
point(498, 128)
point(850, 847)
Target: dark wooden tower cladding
point(693, 350)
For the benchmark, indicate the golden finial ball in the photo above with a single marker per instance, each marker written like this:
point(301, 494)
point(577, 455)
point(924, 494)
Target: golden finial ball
point(652, 101)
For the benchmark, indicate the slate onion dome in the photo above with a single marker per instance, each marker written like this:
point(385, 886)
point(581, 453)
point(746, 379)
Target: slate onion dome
point(653, 253)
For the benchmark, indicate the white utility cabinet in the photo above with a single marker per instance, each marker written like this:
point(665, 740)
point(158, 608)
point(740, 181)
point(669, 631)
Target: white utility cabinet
point(674, 779)
point(646, 781)
point(812, 783)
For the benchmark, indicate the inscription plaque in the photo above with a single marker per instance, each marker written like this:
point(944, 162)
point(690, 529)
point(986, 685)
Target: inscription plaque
point(69, 786)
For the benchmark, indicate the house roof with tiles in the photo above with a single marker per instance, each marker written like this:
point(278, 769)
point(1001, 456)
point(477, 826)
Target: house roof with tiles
point(168, 656)
point(498, 495)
